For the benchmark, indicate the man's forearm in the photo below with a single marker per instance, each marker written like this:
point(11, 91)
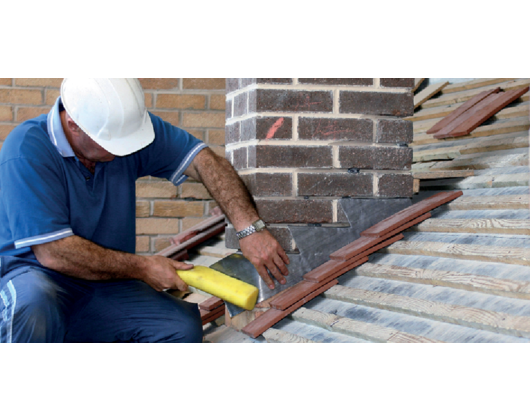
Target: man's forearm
point(226, 187)
point(78, 257)
point(229, 191)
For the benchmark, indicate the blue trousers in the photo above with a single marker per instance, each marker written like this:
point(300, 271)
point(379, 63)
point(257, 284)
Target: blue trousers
point(39, 305)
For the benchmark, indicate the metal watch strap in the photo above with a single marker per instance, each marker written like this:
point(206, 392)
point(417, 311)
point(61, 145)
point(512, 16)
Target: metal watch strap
point(257, 226)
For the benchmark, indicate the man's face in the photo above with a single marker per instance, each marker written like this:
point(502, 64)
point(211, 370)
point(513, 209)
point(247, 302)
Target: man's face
point(88, 149)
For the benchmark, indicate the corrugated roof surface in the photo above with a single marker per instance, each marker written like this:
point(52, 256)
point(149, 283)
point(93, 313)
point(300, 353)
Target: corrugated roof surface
point(463, 275)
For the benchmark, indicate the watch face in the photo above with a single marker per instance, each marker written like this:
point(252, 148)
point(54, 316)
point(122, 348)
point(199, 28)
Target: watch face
point(259, 225)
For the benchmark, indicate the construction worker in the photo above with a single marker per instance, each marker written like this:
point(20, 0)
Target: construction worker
point(67, 221)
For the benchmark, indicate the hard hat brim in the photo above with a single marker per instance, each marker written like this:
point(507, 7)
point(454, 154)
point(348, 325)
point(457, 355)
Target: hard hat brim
point(132, 143)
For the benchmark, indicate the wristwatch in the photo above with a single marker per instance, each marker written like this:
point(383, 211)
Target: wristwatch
point(253, 228)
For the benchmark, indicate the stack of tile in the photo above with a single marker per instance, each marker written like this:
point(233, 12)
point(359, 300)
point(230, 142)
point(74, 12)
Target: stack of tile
point(211, 309)
point(345, 259)
point(195, 236)
point(474, 112)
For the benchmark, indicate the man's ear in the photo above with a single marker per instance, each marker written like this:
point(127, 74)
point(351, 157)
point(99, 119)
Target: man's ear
point(72, 126)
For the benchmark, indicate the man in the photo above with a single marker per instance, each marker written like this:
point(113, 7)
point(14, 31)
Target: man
point(67, 221)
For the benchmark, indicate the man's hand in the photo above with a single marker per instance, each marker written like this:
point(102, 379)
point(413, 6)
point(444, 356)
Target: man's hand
point(265, 253)
point(161, 275)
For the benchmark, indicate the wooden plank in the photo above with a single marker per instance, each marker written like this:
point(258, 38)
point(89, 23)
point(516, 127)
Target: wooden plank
point(428, 93)
point(416, 186)
point(442, 174)
point(272, 335)
point(485, 109)
point(491, 145)
point(473, 84)
point(417, 83)
point(488, 226)
point(215, 251)
point(483, 146)
point(481, 162)
point(410, 213)
point(461, 111)
point(443, 153)
point(273, 316)
point(495, 202)
point(504, 255)
point(483, 181)
point(498, 322)
point(464, 281)
point(358, 329)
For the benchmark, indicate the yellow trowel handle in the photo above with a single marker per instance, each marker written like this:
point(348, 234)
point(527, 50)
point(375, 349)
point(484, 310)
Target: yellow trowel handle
point(222, 286)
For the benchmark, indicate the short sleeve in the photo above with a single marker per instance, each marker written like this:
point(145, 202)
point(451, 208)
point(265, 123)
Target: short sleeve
point(170, 154)
point(34, 198)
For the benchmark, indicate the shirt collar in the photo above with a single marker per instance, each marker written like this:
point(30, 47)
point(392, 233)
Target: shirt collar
point(56, 132)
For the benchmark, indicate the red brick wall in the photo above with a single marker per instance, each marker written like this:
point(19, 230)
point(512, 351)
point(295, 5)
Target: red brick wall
point(197, 105)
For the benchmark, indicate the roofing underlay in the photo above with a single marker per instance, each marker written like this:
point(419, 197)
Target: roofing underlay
point(460, 276)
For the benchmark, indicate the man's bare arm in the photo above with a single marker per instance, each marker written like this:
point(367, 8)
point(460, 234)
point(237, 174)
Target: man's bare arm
point(78, 257)
point(228, 190)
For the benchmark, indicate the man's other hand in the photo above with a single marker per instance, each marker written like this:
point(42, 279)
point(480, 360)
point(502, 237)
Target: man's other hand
point(265, 253)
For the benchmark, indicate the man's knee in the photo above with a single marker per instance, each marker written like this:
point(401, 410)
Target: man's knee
point(186, 327)
point(30, 310)
point(193, 333)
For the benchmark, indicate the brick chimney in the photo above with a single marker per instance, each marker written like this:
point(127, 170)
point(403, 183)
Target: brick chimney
point(301, 145)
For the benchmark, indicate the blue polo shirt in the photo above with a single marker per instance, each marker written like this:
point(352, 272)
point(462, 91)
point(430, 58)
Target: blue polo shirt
point(47, 194)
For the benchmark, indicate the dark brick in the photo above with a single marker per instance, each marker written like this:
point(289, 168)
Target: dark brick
point(406, 83)
point(269, 185)
point(338, 82)
point(396, 185)
point(231, 85)
point(394, 131)
point(359, 157)
point(290, 157)
point(240, 158)
point(278, 100)
point(295, 211)
point(276, 81)
point(377, 103)
point(392, 158)
point(232, 133)
point(248, 129)
point(241, 104)
point(369, 157)
point(249, 81)
point(262, 128)
point(335, 129)
point(335, 185)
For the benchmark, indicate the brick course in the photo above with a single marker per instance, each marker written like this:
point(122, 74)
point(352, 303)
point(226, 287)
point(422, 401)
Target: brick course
point(303, 144)
point(197, 105)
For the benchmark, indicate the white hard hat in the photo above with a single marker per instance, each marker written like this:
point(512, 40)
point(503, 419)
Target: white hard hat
point(111, 112)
